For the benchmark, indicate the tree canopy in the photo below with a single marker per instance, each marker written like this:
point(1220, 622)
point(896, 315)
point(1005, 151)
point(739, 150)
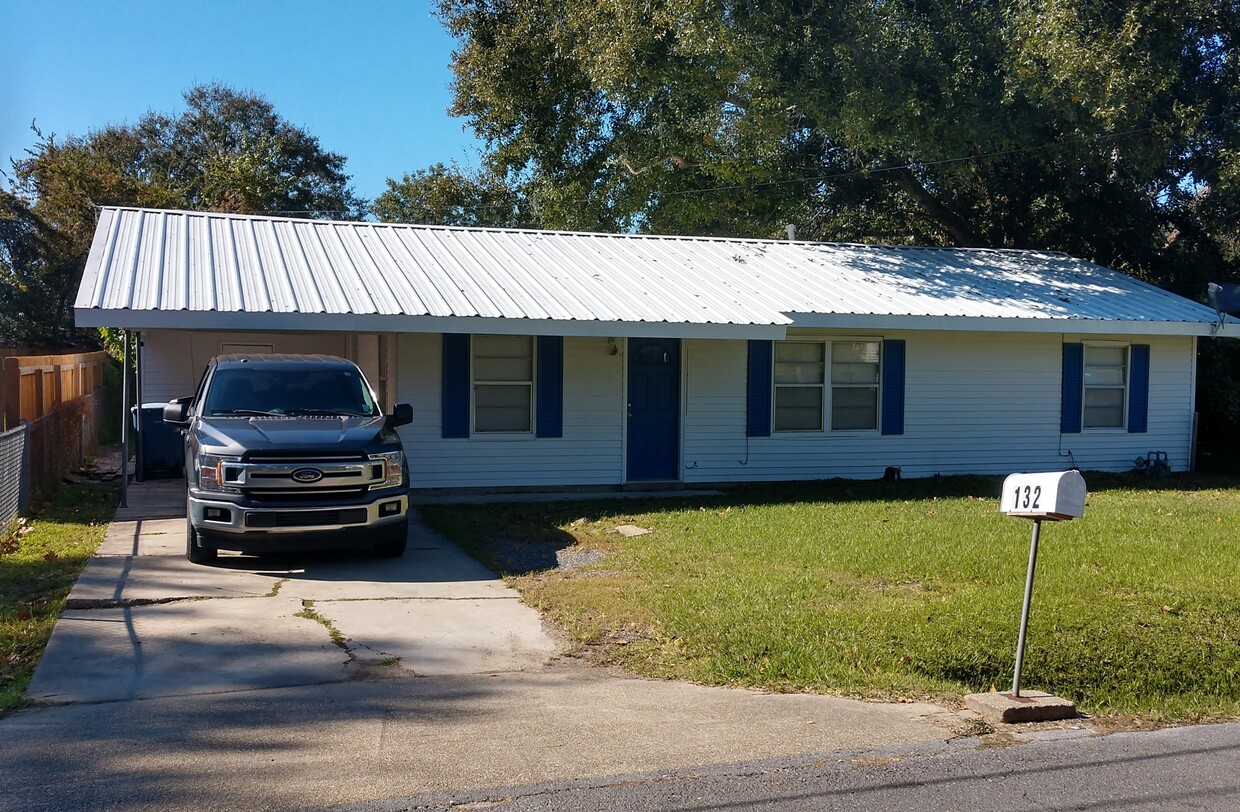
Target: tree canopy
point(228, 150)
point(1104, 129)
point(442, 195)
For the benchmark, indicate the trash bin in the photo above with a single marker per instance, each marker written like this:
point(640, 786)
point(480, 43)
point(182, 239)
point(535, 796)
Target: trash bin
point(162, 447)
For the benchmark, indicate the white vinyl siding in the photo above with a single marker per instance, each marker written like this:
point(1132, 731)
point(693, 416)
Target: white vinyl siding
point(1106, 387)
point(173, 360)
point(974, 403)
point(985, 403)
point(591, 452)
point(503, 369)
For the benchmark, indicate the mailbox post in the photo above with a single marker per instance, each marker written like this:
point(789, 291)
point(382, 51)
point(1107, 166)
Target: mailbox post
point(1041, 497)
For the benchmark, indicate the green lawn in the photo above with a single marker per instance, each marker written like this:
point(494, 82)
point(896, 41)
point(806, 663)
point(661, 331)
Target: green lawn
point(889, 590)
point(38, 564)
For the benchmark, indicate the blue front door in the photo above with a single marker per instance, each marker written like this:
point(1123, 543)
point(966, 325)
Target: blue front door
point(654, 408)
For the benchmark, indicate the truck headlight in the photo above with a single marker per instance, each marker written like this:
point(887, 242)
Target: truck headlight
point(214, 473)
point(393, 462)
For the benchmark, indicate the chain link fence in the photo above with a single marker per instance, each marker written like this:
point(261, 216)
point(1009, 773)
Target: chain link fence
point(14, 473)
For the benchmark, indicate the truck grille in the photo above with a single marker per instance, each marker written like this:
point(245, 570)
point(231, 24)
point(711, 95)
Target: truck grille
point(293, 495)
point(287, 478)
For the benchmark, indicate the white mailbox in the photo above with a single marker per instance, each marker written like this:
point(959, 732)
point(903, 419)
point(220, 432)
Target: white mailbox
point(1053, 496)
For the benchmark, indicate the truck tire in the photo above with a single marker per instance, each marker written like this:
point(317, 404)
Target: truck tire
point(194, 551)
point(394, 541)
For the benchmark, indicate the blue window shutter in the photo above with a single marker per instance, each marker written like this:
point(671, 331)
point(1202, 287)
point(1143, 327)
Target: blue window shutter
point(1138, 388)
point(455, 394)
point(893, 387)
point(550, 419)
point(758, 390)
point(1073, 388)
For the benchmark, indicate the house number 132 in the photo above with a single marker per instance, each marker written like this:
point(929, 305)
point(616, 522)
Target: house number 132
point(1031, 496)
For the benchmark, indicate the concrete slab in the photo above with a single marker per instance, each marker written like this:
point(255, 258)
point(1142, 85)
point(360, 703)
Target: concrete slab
point(431, 567)
point(194, 647)
point(439, 637)
point(145, 537)
point(1030, 706)
point(156, 499)
point(116, 580)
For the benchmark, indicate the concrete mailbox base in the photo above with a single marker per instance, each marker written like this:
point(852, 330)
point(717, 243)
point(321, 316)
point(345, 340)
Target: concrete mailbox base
point(1030, 706)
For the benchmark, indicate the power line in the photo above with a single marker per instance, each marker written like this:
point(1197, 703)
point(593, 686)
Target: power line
point(920, 164)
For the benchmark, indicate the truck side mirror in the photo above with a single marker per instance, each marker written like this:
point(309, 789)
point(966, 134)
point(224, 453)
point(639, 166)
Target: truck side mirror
point(402, 415)
point(176, 413)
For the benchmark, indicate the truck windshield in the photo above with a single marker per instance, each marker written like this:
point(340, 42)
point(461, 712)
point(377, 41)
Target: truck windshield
point(283, 392)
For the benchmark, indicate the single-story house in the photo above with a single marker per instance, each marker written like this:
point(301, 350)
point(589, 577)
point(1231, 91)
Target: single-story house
point(538, 358)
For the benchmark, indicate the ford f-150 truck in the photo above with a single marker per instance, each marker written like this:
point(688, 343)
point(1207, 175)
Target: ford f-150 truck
point(290, 452)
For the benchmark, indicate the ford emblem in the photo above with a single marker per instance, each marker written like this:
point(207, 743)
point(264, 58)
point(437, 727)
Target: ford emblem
point(307, 475)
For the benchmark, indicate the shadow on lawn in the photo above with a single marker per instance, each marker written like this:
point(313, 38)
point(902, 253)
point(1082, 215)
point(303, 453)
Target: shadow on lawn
point(521, 538)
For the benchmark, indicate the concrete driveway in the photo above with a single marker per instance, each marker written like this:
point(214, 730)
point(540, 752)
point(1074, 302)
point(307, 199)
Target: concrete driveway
point(144, 622)
point(305, 682)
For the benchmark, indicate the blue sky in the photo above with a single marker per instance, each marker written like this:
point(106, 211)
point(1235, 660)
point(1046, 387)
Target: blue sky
point(369, 78)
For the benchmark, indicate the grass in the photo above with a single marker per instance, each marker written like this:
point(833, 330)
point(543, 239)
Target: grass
point(310, 613)
point(39, 561)
point(888, 590)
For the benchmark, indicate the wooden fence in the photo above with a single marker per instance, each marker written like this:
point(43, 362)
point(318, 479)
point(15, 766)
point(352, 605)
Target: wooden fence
point(62, 401)
point(34, 385)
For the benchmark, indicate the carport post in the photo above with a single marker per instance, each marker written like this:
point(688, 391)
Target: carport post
point(125, 420)
point(139, 435)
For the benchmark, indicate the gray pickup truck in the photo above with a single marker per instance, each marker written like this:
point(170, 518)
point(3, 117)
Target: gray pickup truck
point(289, 453)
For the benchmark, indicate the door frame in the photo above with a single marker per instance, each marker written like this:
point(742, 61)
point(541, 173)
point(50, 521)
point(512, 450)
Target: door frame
point(627, 345)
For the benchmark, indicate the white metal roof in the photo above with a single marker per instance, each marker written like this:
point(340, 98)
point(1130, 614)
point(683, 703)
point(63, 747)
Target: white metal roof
point(174, 269)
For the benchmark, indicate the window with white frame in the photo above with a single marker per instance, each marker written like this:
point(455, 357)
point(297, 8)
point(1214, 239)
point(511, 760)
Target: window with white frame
point(816, 378)
point(503, 368)
point(799, 378)
point(854, 385)
point(1106, 386)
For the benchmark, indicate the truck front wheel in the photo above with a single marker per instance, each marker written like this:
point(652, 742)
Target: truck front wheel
point(194, 551)
point(394, 538)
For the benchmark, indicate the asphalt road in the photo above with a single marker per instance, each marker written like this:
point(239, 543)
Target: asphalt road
point(1195, 768)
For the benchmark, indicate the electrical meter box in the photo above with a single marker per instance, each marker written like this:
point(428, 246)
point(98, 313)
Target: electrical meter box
point(1054, 496)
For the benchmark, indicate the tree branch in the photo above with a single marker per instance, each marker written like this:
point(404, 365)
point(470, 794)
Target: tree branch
point(959, 228)
point(679, 161)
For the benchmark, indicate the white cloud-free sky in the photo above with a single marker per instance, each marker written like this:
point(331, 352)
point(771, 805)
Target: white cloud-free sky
point(370, 78)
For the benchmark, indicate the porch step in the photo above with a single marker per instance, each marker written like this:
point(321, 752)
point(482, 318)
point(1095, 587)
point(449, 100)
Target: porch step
point(654, 485)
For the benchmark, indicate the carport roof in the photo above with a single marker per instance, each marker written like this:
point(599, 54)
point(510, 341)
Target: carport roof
point(199, 270)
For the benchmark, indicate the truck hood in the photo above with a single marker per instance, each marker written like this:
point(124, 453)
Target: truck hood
point(236, 435)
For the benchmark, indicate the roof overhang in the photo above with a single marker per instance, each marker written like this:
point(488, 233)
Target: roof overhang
point(974, 324)
point(377, 323)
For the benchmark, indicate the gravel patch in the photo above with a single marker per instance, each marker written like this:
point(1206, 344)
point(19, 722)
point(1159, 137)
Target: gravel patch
point(571, 558)
point(521, 557)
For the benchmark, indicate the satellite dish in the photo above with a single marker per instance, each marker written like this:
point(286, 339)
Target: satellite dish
point(1224, 299)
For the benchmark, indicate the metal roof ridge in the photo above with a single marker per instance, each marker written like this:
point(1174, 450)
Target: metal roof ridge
point(606, 234)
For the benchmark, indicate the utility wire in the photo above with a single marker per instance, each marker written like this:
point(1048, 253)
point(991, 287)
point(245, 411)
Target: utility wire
point(919, 164)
